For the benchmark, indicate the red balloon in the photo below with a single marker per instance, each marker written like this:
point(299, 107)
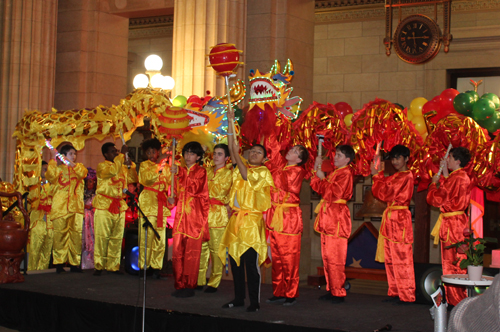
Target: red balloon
point(343, 108)
point(433, 106)
point(436, 99)
point(224, 58)
point(446, 100)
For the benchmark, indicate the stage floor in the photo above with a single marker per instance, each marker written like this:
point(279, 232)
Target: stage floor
point(359, 312)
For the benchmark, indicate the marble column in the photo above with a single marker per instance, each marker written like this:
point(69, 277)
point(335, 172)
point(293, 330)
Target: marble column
point(282, 29)
point(27, 58)
point(198, 25)
point(92, 55)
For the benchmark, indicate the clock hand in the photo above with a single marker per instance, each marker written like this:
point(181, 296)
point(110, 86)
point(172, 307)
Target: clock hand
point(414, 40)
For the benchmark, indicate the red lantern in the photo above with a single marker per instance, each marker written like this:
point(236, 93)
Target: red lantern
point(224, 58)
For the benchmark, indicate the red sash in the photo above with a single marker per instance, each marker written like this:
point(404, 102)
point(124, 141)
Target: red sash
point(162, 202)
point(115, 205)
point(214, 201)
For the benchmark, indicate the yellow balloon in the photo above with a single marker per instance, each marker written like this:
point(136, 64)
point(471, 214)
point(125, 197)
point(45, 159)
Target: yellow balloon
point(424, 135)
point(410, 115)
point(416, 106)
point(419, 123)
point(348, 120)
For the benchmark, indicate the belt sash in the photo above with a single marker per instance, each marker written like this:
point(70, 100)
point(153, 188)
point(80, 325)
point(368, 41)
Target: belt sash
point(437, 227)
point(115, 205)
point(380, 254)
point(162, 202)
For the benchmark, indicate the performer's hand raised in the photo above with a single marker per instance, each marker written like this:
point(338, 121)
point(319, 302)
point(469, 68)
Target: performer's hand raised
point(318, 162)
point(173, 169)
point(124, 149)
point(171, 200)
point(435, 178)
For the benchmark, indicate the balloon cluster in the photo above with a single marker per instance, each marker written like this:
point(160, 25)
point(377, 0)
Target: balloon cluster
point(483, 110)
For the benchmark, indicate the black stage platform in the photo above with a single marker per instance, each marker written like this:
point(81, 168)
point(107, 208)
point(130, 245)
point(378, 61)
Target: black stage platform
point(83, 302)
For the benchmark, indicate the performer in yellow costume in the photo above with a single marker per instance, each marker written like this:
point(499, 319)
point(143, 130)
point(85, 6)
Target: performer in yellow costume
point(67, 208)
point(41, 232)
point(113, 175)
point(153, 202)
point(220, 179)
point(245, 235)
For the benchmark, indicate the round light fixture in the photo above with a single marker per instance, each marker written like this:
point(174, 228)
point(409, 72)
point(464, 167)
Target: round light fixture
point(153, 63)
point(140, 81)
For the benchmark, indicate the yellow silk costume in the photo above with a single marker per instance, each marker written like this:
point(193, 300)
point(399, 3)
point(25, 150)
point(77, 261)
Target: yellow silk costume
point(153, 202)
point(109, 217)
point(41, 231)
point(246, 228)
point(219, 188)
point(66, 213)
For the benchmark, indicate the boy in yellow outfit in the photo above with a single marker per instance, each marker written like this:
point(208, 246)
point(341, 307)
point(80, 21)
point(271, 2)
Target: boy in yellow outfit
point(113, 175)
point(67, 208)
point(153, 202)
point(41, 232)
point(220, 179)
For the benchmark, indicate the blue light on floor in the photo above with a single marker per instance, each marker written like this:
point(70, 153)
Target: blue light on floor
point(134, 258)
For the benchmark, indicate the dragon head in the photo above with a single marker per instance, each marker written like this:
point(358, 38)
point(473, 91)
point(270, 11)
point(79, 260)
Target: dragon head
point(272, 89)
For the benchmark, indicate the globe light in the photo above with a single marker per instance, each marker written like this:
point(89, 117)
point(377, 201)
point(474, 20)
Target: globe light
point(169, 83)
point(140, 81)
point(157, 81)
point(153, 63)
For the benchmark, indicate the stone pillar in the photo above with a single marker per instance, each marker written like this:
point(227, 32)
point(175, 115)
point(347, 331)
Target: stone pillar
point(282, 29)
point(92, 54)
point(27, 58)
point(198, 25)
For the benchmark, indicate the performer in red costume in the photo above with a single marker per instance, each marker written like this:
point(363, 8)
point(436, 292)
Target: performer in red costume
point(396, 233)
point(191, 219)
point(284, 219)
point(334, 219)
point(452, 198)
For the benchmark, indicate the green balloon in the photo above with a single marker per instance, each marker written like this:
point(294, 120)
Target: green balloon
point(492, 124)
point(493, 97)
point(179, 101)
point(482, 110)
point(473, 94)
point(463, 103)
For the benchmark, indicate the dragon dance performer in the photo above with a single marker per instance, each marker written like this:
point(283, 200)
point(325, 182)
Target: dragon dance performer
point(42, 231)
point(284, 219)
point(334, 219)
point(153, 202)
point(113, 175)
point(452, 198)
point(191, 219)
point(66, 214)
point(396, 232)
point(220, 180)
point(245, 235)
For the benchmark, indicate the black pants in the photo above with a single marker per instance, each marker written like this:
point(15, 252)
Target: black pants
point(248, 261)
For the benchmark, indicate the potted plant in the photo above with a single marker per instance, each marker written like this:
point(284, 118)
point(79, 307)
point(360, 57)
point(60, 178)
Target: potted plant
point(473, 248)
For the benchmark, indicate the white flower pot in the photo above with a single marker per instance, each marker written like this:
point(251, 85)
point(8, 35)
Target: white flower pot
point(475, 272)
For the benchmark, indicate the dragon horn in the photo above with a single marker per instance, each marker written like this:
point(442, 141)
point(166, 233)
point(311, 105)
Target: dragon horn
point(276, 68)
point(288, 71)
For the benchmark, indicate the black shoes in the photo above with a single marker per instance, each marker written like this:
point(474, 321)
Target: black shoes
point(290, 301)
point(76, 269)
point(275, 299)
point(210, 289)
point(199, 288)
point(327, 297)
point(233, 304)
point(254, 307)
point(97, 273)
point(183, 293)
point(60, 268)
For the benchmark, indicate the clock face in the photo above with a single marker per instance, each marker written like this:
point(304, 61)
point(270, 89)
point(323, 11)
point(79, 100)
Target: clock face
point(417, 39)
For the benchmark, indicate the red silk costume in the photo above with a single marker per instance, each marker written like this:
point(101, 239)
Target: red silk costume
point(334, 224)
point(396, 233)
point(190, 224)
point(284, 221)
point(452, 198)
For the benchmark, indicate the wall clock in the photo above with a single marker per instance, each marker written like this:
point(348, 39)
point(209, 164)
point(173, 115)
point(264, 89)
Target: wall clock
point(417, 39)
